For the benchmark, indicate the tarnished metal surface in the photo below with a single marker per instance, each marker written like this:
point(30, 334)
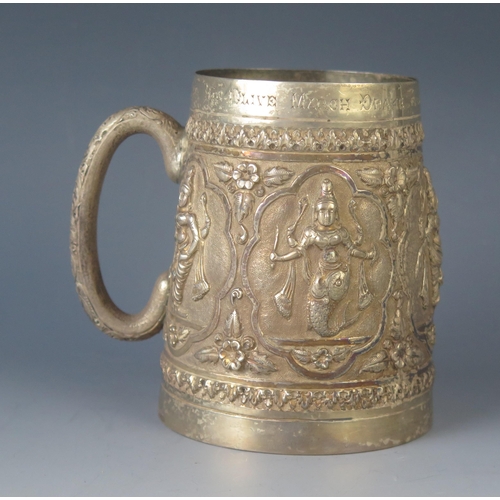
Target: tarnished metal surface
point(316, 433)
point(307, 264)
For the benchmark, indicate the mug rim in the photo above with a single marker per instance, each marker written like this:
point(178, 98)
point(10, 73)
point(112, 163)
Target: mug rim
point(305, 76)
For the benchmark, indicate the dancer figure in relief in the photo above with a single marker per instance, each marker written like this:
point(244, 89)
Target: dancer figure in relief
point(190, 239)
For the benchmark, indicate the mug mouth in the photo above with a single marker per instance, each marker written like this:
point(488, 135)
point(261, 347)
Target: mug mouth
point(305, 76)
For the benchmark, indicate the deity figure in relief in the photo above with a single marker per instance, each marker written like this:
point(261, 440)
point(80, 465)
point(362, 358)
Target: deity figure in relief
point(329, 283)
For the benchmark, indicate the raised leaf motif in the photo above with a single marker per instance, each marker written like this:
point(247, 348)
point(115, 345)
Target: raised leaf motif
point(224, 171)
point(415, 356)
point(396, 327)
point(259, 363)
point(303, 356)
point(411, 176)
point(277, 176)
point(177, 335)
point(401, 178)
point(376, 363)
point(395, 205)
point(247, 344)
point(372, 177)
point(391, 179)
point(339, 353)
point(183, 335)
point(244, 203)
point(207, 355)
point(424, 289)
point(233, 328)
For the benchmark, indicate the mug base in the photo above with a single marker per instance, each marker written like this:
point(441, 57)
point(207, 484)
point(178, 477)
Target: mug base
point(314, 433)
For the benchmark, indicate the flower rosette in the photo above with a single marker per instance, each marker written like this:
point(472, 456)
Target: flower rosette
point(234, 350)
point(241, 180)
point(231, 355)
point(245, 175)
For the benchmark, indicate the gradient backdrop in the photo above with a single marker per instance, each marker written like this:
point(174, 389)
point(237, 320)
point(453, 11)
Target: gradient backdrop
point(78, 409)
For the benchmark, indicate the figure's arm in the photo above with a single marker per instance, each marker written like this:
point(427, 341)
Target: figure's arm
point(193, 224)
point(206, 228)
point(292, 242)
point(306, 241)
point(208, 222)
point(187, 219)
point(352, 250)
point(303, 204)
point(294, 254)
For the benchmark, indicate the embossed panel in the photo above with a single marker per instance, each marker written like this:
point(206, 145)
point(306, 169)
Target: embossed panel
point(204, 264)
point(322, 300)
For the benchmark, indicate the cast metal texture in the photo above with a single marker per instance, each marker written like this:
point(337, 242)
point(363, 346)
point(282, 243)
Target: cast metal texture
point(297, 313)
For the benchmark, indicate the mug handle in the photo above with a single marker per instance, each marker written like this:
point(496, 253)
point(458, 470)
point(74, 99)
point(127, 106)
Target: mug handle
point(83, 234)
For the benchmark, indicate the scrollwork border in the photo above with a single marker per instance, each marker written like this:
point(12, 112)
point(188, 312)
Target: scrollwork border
point(316, 140)
point(377, 394)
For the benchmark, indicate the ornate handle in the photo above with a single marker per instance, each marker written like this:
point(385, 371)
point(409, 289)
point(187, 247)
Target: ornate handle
point(84, 259)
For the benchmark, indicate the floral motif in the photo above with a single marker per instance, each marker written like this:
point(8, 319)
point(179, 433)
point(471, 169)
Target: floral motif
point(400, 353)
point(322, 359)
point(394, 184)
point(245, 175)
point(231, 355)
point(233, 350)
point(400, 350)
point(240, 181)
point(176, 335)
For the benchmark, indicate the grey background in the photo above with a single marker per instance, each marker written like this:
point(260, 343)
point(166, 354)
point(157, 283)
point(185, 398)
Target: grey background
point(78, 409)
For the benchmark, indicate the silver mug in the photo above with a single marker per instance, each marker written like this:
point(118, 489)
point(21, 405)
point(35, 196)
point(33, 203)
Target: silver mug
point(297, 313)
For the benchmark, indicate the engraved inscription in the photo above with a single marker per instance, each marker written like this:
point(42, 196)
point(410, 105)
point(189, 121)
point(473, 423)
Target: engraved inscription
point(414, 100)
point(242, 98)
point(319, 100)
point(304, 101)
point(368, 102)
point(214, 96)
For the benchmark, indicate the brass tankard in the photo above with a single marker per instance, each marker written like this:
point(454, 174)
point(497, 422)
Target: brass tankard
point(297, 313)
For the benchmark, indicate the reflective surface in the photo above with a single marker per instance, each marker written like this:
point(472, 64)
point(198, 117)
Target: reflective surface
point(65, 386)
point(307, 263)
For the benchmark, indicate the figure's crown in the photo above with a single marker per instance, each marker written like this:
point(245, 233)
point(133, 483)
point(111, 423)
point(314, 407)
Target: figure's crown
point(327, 194)
point(327, 189)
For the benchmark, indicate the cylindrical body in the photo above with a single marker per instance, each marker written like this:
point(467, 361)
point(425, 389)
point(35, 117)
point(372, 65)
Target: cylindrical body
point(297, 313)
point(307, 265)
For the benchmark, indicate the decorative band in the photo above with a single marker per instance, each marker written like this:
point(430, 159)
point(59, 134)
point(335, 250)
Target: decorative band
point(317, 140)
point(401, 388)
